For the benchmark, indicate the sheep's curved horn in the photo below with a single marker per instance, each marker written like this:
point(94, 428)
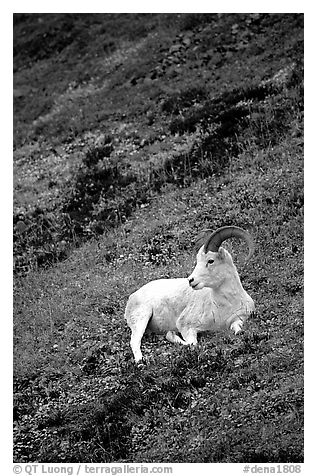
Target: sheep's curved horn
point(226, 232)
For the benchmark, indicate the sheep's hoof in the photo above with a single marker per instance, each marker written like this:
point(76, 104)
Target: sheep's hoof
point(140, 364)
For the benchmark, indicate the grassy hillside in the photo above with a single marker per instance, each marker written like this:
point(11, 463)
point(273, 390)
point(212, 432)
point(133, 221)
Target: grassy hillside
point(131, 134)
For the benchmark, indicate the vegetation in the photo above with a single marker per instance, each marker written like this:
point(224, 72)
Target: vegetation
point(132, 134)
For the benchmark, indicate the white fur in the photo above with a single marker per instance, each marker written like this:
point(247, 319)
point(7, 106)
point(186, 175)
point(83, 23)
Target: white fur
point(211, 298)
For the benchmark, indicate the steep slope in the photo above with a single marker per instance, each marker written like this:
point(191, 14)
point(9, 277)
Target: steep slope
point(132, 133)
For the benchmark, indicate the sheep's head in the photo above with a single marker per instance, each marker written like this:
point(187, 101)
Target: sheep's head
point(214, 263)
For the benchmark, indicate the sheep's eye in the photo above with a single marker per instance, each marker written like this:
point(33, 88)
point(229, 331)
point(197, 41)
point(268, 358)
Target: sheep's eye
point(210, 261)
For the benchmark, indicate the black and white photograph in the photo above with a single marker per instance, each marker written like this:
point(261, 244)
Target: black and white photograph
point(158, 242)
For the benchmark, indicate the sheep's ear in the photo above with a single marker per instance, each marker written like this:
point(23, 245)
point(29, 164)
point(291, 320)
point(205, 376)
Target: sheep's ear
point(201, 239)
point(221, 254)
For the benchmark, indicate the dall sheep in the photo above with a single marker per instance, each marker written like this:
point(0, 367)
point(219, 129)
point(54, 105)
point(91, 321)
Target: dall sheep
point(211, 298)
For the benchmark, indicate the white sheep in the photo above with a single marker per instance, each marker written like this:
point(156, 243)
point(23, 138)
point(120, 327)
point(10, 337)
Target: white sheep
point(211, 298)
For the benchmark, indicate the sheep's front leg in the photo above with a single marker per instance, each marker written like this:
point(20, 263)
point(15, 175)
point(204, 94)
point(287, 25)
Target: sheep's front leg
point(236, 326)
point(171, 336)
point(189, 335)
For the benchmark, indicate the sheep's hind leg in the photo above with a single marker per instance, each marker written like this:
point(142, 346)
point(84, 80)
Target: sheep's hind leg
point(171, 336)
point(138, 323)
